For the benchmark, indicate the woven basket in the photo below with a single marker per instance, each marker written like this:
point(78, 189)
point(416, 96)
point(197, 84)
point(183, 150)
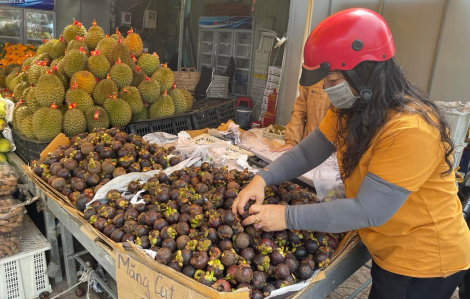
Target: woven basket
point(187, 78)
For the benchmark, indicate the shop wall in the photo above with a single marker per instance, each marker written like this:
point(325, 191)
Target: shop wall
point(84, 11)
point(162, 40)
point(453, 64)
point(277, 10)
point(415, 25)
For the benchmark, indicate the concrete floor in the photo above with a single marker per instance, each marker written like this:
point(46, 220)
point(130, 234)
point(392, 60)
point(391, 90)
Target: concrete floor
point(343, 291)
point(355, 281)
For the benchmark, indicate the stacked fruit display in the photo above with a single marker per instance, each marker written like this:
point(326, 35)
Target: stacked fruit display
point(85, 80)
point(94, 159)
point(186, 219)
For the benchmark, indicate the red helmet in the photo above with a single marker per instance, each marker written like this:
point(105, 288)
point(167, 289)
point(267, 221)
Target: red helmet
point(344, 40)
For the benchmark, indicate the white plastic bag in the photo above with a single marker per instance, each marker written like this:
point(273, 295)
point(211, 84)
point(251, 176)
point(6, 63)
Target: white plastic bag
point(327, 180)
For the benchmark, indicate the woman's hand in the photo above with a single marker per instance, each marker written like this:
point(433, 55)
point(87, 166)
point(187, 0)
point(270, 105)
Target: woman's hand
point(283, 148)
point(254, 190)
point(267, 217)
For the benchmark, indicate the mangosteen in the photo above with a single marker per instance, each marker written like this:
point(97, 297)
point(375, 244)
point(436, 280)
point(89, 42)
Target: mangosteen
point(88, 213)
point(295, 237)
point(55, 168)
point(77, 184)
point(81, 202)
point(189, 271)
point(311, 245)
point(163, 255)
point(196, 220)
point(143, 242)
point(141, 208)
point(115, 146)
point(242, 240)
point(231, 194)
point(159, 224)
point(169, 243)
point(322, 238)
point(117, 235)
point(267, 289)
point(248, 254)
point(215, 253)
point(150, 218)
point(121, 203)
point(131, 214)
point(155, 238)
point(228, 217)
point(225, 245)
point(92, 179)
point(323, 256)
point(277, 256)
point(304, 271)
point(199, 260)
point(300, 252)
point(181, 241)
point(215, 221)
point(128, 237)
point(66, 191)
point(108, 212)
point(230, 274)
point(172, 215)
point(130, 226)
point(118, 220)
point(259, 280)
point(225, 232)
point(233, 186)
point(281, 271)
point(201, 188)
point(229, 258)
point(211, 234)
point(118, 171)
point(182, 228)
point(262, 262)
point(109, 229)
point(195, 209)
point(141, 230)
point(168, 232)
point(265, 246)
point(204, 244)
point(222, 285)
point(96, 205)
point(100, 224)
point(292, 263)
point(59, 183)
point(332, 242)
point(174, 161)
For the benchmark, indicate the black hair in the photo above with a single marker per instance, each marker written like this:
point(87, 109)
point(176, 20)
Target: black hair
point(356, 127)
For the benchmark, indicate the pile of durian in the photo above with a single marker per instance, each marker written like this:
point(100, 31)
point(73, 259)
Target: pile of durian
point(86, 80)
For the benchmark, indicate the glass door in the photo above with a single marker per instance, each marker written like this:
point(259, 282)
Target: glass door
point(224, 50)
point(39, 25)
point(243, 60)
point(10, 25)
point(206, 49)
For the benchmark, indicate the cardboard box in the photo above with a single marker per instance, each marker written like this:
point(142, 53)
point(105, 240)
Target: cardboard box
point(273, 78)
point(274, 70)
point(140, 276)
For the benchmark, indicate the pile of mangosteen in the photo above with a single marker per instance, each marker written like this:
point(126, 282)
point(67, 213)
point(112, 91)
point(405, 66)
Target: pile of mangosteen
point(186, 219)
point(93, 159)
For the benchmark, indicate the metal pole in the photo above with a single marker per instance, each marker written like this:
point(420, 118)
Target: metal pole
point(438, 47)
point(181, 35)
point(381, 7)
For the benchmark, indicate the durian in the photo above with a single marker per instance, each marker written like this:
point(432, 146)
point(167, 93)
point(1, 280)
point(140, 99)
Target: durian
point(131, 95)
point(49, 90)
point(149, 63)
point(98, 65)
point(81, 98)
point(105, 45)
point(84, 80)
point(165, 77)
point(94, 35)
point(96, 117)
point(119, 111)
point(149, 90)
point(47, 123)
point(163, 107)
point(74, 61)
point(72, 30)
point(74, 121)
point(103, 89)
point(121, 74)
point(134, 43)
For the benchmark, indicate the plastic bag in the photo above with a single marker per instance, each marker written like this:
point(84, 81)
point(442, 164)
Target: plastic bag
point(212, 152)
point(327, 180)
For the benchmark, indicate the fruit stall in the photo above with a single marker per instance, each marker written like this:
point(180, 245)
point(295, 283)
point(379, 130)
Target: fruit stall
point(117, 159)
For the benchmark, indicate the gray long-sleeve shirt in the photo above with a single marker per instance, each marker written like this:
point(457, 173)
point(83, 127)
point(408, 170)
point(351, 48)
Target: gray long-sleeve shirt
point(375, 203)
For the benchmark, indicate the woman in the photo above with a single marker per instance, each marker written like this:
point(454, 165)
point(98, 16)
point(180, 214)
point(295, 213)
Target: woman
point(309, 109)
point(395, 157)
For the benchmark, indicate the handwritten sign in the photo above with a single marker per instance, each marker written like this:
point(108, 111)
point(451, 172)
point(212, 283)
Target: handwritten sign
point(135, 280)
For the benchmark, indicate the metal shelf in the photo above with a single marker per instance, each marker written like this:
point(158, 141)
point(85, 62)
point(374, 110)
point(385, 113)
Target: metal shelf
point(9, 37)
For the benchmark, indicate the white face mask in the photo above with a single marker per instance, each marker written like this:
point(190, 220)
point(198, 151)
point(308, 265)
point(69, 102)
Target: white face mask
point(341, 96)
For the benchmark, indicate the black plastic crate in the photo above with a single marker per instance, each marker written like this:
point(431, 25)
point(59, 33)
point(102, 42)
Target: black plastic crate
point(211, 112)
point(28, 149)
point(171, 125)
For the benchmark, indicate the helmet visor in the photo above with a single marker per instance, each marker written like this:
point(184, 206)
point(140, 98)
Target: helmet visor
point(311, 76)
